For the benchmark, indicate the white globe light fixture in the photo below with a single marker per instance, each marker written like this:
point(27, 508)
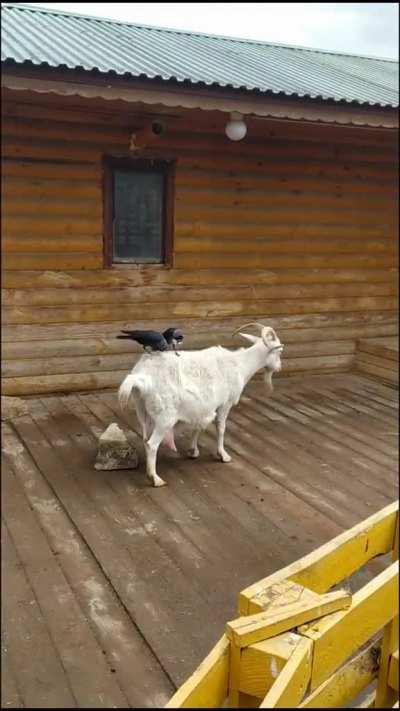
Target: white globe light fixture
point(236, 128)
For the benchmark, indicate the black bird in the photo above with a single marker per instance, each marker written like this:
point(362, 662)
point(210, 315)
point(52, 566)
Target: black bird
point(173, 336)
point(155, 341)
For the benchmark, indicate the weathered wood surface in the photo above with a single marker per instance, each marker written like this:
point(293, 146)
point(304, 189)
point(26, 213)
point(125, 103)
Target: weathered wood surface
point(299, 229)
point(136, 573)
point(378, 358)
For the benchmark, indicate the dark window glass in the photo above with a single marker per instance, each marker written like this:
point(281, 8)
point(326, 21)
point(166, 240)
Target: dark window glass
point(138, 215)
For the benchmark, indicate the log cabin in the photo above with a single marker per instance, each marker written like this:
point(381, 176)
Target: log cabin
point(127, 205)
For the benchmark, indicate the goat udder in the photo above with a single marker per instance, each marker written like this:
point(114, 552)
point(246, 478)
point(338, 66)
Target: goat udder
point(169, 440)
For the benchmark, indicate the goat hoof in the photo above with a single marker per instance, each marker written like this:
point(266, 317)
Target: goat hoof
point(157, 481)
point(193, 453)
point(225, 458)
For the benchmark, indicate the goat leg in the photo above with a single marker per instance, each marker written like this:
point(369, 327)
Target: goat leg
point(194, 449)
point(220, 424)
point(151, 449)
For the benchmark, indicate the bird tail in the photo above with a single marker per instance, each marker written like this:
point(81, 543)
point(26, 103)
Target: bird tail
point(128, 337)
point(133, 381)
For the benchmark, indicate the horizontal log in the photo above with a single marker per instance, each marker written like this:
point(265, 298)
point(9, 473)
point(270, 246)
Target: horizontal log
point(295, 261)
point(70, 382)
point(264, 245)
point(178, 135)
point(280, 228)
point(188, 310)
point(63, 130)
point(54, 243)
point(245, 197)
point(387, 349)
point(137, 276)
point(51, 150)
point(57, 207)
point(227, 157)
point(175, 294)
point(45, 224)
point(64, 191)
point(51, 107)
point(37, 385)
point(142, 275)
point(57, 170)
point(244, 178)
point(102, 353)
point(75, 364)
point(390, 368)
point(287, 212)
point(376, 372)
point(87, 364)
point(309, 326)
point(54, 260)
point(245, 161)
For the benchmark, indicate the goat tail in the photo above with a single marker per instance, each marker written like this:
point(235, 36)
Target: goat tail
point(131, 382)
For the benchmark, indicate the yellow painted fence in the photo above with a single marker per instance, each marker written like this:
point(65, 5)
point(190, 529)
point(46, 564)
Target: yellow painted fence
point(297, 644)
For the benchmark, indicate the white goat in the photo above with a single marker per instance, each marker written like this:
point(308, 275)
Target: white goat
point(195, 388)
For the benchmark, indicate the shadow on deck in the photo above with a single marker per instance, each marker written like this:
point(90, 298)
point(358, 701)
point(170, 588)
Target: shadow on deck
point(113, 591)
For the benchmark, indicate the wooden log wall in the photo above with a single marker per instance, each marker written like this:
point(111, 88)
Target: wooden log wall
point(297, 229)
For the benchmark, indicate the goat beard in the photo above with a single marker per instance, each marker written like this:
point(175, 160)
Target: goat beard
point(268, 380)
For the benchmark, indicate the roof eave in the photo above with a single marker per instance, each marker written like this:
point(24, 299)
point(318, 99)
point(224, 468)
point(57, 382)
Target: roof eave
point(172, 93)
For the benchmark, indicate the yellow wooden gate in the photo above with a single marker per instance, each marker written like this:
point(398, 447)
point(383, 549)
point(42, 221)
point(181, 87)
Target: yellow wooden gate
point(297, 645)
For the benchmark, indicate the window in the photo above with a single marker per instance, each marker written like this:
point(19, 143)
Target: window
point(138, 211)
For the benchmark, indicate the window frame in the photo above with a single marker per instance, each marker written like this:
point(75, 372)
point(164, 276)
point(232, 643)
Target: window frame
point(167, 166)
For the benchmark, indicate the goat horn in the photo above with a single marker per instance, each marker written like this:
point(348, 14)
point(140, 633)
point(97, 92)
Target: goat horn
point(251, 323)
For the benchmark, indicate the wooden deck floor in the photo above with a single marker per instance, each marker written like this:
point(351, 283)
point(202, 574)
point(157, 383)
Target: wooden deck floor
point(114, 591)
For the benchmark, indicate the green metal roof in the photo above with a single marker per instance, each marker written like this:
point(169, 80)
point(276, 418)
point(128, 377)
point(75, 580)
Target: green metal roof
point(59, 39)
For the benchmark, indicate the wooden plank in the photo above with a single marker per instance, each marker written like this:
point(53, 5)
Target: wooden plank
point(346, 683)
point(55, 243)
point(10, 696)
point(211, 310)
point(267, 213)
point(207, 687)
point(103, 522)
point(65, 348)
point(121, 642)
point(230, 261)
point(254, 628)
point(393, 677)
point(336, 637)
point(172, 293)
point(80, 655)
point(143, 275)
point(291, 684)
point(261, 663)
point(287, 450)
point(41, 679)
point(296, 325)
point(52, 205)
point(54, 260)
point(235, 197)
point(335, 560)
point(270, 241)
point(45, 224)
point(52, 170)
point(35, 385)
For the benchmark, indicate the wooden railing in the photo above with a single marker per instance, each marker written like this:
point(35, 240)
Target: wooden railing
point(297, 645)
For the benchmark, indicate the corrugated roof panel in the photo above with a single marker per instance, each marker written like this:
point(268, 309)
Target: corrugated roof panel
point(61, 39)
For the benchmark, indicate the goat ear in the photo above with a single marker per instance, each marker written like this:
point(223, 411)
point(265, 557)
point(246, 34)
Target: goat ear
point(248, 337)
